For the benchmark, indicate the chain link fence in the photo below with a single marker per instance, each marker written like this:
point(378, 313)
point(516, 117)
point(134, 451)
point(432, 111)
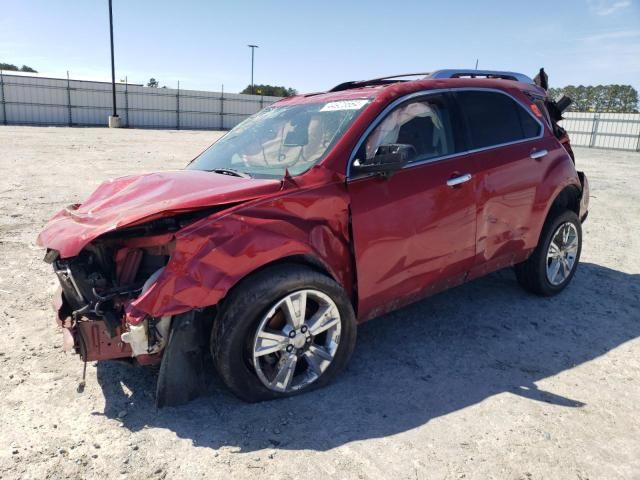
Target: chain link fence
point(27, 100)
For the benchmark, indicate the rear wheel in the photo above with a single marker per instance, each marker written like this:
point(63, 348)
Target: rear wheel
point(553, 263)
point(285, 330)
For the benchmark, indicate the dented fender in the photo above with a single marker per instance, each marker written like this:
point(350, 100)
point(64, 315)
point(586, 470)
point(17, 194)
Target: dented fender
point(214, 254)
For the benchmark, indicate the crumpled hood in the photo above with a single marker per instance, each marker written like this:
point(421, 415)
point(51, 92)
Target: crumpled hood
point(132, 199)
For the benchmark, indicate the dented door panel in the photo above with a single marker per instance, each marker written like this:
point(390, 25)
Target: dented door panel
point(413, 234)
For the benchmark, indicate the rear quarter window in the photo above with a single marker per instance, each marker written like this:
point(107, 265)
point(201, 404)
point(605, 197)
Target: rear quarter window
point(543, 110)
point(494, 118)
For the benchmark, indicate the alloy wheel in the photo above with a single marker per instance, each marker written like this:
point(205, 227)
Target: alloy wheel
point(562, 252)
point(296, 340)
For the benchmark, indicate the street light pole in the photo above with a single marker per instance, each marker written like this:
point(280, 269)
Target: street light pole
point(113, 120)
point(253, 48)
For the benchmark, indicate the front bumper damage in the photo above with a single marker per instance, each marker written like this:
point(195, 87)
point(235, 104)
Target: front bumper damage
point(97, 289)
point(183, 356)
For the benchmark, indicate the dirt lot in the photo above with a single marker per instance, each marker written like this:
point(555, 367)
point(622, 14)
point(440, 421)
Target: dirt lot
point(484, 381)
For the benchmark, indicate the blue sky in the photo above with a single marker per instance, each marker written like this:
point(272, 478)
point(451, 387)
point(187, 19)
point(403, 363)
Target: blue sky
point(312, 46)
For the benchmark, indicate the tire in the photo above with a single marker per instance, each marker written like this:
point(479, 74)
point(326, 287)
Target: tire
point(248, 310)
point(533, 274)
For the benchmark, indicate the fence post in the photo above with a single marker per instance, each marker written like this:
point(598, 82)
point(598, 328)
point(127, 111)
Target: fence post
point(69, 100)
point(4, 109)
point(178, 107)
point(638, 143)
point(222, 108)
point(261, 102)
point(594, 130)
point(126, 98)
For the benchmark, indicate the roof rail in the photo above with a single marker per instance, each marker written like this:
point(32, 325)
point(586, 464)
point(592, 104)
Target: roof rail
point(375, 81)
point(455, 73)
point(449, 73)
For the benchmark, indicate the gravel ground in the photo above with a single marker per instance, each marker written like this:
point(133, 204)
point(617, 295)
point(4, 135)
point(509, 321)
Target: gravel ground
point(483, 381)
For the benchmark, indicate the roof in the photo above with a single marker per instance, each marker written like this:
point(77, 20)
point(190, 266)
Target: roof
point(398, 85)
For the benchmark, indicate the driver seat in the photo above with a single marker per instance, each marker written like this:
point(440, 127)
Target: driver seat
point(419, 133)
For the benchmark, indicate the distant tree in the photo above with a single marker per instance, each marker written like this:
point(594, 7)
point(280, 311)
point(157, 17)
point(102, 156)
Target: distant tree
point(12, 68)
point(153, 83)
point(600, 98)
point(271, 90)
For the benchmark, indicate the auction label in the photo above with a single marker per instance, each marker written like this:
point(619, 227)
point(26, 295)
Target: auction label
point(344, 105)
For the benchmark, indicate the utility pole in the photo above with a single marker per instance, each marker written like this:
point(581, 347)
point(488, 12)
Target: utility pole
point(253, 48)
point(114, 120)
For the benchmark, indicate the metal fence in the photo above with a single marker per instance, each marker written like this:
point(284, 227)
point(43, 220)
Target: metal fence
point(618, 131)
point(27, 100)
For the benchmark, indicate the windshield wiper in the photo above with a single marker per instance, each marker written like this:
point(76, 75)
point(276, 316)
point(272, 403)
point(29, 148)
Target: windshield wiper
point(231, 171)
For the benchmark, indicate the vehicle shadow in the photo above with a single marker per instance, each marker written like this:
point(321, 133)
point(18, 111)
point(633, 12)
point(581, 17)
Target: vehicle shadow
point(427, 360)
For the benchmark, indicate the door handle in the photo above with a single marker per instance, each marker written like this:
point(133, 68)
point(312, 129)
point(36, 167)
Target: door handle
point(538, 154)
point(452, 182)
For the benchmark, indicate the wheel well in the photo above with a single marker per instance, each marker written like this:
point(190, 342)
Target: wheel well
point(567, 199)
point(301, 260)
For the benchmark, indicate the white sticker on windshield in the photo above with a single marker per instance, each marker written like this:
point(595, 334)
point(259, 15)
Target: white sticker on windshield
point(344, 105)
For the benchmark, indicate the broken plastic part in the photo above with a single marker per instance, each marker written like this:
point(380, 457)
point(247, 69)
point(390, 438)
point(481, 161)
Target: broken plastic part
point(138, 339)
point(139, 336)
point(182, 371)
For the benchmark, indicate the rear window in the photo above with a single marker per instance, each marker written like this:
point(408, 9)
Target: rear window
point(495, 118)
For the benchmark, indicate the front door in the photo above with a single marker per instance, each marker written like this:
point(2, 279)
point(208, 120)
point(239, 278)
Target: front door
point(414, 233)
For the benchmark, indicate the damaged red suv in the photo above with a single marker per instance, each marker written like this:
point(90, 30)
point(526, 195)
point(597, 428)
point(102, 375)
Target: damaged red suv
point(316, 214)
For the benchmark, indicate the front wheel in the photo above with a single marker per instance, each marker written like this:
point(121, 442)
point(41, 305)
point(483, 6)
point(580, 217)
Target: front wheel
point(285, 330)
point(553, 263)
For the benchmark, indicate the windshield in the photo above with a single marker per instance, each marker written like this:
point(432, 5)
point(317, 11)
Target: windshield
point(292, 137)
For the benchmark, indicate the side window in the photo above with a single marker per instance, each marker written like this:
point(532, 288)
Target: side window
point(494, 118)
point(530, 127)
point(424, 123)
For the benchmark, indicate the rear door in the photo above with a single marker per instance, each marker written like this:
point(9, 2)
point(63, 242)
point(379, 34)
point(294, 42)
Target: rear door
point(509, 152)
point(414, 233)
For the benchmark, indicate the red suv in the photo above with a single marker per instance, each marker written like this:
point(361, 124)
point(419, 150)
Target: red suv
point(316, 214)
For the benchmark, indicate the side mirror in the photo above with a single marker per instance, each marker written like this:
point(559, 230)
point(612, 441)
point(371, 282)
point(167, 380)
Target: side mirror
point(388, 159)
